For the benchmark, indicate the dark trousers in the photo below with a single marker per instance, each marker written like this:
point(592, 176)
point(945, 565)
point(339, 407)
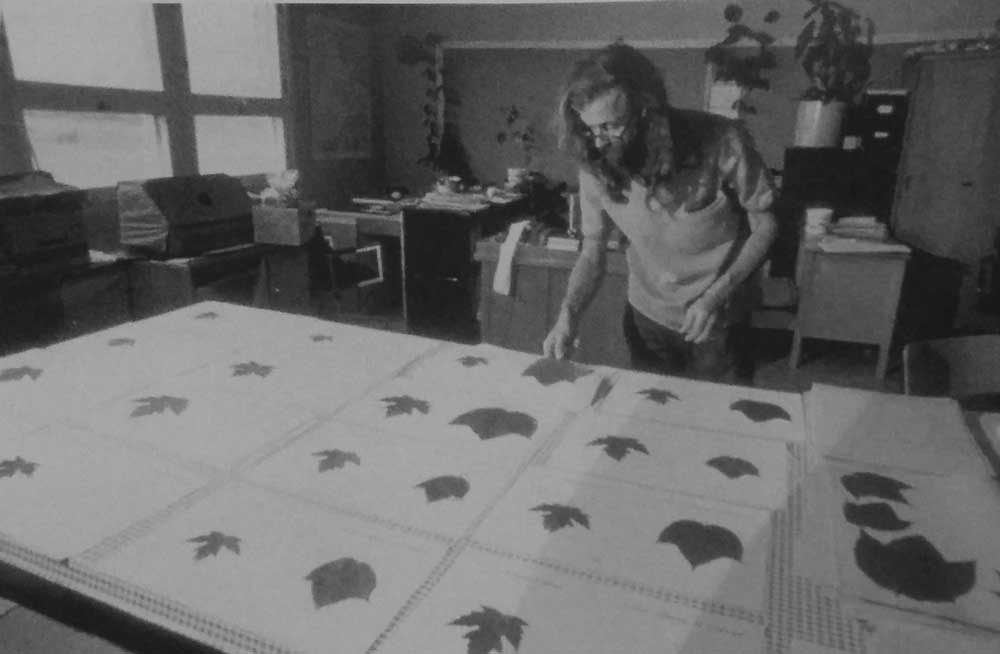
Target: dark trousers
point(725, 357)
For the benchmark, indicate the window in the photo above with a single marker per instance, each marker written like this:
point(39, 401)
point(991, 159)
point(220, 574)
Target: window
point(106, 96)
point(91, 149)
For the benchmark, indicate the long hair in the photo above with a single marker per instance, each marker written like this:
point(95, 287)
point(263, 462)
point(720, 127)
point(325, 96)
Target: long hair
point(649, 153)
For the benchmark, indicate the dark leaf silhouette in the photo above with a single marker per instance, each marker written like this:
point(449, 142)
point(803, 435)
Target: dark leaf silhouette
point(913, 567)
point(701, 543)
point(870, 484)
point(158, 404)
point(658, 395)
point(10, 467)
point(733, 466)
point(548, 371)
point(557, 516)
point(471, 361)
point(618, 446)
point(760, 411)
point(211, 543)
point(14, 374)
point(603, 389)
point(492, 422)
point(117, 342)
point(251, 368)
point(443, 487)
point(321, 337)
point(490, 626)
point(404, 404)
point(207, 315)
point(340, 580)
point(879, 516)
point(333, 459)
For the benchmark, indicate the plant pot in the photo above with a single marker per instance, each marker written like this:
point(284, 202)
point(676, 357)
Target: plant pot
point(722, 96)
point(818, 124)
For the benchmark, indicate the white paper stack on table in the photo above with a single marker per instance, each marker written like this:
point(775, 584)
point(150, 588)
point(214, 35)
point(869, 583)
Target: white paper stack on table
point(913, 511)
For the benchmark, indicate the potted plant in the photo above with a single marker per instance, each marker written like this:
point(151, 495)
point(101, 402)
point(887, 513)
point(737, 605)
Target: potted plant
point(520, 134)
point(834, 49)
point(445, 153)
point(736, 70)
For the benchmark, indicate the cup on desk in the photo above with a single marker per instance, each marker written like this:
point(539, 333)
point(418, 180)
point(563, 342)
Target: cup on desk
point(818, 220)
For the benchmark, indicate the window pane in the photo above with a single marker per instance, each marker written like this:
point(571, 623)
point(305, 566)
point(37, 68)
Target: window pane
point(232, 49)
point(99, 149)
point(240, 145)
point(88, 44)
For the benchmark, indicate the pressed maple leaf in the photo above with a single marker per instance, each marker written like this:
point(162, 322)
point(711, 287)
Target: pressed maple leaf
point(444, 486)
point(333, 459)
point(658, 395)
point(760, 411)
point(208, 315)
point(211, 543)
point(340, 580)
point(492, 422)
point(404, 404)
point(490, 626)
point(10, 467)
point(471, 361)
point(14, 374)
point(158, 404)
point(733, 466)
point(618, 446)
point(557, 516)
point(117, 342)
point(321, 337)
point(548, 371)
point(251, 368)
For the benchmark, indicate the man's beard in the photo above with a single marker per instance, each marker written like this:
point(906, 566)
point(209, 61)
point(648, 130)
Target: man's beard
point(619, 160)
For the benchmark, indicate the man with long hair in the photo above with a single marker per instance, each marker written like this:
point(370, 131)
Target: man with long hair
point(693, 197)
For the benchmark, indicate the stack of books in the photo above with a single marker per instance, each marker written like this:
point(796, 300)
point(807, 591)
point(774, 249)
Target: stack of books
point(864, 227)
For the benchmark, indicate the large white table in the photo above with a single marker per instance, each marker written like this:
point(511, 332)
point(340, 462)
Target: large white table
point(253, 481)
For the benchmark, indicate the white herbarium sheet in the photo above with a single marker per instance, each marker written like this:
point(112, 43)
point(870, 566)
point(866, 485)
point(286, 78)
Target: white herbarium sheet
point(292, 572)
point(198, 423)
point(446, 418)
point(490, 371)
point(487, 603)
point(923, 434)
point(717, 407)
point(918, 543)
point(711, 551)
point(719, 465)
point(63, 490)
point(391, 477)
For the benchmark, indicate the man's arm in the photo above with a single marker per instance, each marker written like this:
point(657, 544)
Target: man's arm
point(747, 174)
point(587, 273)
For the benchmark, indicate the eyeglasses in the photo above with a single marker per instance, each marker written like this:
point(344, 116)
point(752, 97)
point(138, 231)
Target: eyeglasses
point(609, 129)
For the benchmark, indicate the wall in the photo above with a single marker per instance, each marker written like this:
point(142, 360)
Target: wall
point(498, 54)
point(332, 182)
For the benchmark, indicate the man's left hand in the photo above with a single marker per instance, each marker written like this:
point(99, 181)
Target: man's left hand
point(699, 319)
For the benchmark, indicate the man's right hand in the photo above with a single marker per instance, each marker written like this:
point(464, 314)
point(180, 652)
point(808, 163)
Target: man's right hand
point(561, 340)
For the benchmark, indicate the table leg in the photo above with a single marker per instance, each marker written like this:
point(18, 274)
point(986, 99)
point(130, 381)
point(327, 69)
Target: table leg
point(793, 358)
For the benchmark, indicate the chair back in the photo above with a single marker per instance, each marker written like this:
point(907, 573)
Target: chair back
point(960, 366)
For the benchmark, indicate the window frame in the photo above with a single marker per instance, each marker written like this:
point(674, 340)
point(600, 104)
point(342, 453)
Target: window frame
point(175, 103)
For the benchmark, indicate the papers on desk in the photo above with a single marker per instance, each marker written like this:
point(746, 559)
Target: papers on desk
point(834, 243)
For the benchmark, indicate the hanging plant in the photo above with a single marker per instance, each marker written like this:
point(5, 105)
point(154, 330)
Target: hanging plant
point(445, 153)
point(519, 133)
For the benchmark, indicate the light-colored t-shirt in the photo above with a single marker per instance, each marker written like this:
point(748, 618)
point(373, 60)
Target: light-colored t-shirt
point(686, 232)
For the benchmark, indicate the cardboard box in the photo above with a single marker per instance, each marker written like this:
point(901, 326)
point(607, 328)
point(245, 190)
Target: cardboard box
point(282, 226)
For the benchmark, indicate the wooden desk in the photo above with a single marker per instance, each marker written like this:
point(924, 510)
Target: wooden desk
point(539, 277)
point(848, 296)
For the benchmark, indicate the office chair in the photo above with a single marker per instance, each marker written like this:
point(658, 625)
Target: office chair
point(963, 367)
